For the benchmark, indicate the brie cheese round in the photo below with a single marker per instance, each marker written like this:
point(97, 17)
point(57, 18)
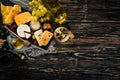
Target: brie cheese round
point(24, 31)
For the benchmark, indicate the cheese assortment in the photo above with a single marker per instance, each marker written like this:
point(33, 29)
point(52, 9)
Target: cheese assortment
point(36, 23)
point(9, 12)
point(43, 38)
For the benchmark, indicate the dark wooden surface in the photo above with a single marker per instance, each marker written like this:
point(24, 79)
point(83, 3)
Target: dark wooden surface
point(94, 53)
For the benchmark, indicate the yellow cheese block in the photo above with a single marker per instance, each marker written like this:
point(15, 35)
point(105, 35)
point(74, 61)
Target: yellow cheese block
point(8, 19)
point(3, 8)
point(23, 18)
point(8, 13)
point(45, 38)
point(16, 8)
point(8, 9)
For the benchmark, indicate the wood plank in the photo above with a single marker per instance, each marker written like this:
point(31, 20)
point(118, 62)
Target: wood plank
point(93, 11)
point(93, 54)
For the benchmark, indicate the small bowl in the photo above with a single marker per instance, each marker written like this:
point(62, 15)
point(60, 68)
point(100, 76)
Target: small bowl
point(61, 34)
point(17, 43)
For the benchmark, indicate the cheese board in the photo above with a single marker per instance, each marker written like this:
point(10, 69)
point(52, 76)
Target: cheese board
point(38, 25)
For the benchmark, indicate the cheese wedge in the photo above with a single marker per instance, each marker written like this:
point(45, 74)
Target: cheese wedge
point(38, 34)
point(3, 8)
point(23, 18)
point(16, 8)
point(8, 13)
point(27, 35)
point(8, 19)
point(45, 38)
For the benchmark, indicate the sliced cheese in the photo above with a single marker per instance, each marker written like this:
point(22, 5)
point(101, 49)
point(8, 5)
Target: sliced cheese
point(45, 38)
point(8, 19)
point(9, 13)
point(8, 9)
point(23, 18)
point(3, 8)
point(16, 8)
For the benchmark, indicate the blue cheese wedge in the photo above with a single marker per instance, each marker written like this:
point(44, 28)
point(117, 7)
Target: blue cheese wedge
point(38, 34)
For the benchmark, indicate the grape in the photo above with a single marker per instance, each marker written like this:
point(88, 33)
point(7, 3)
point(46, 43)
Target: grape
point(39, 11)
point(35, 18)
point(33, 12)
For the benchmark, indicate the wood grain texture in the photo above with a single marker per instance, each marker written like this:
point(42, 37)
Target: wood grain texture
point(94, 53)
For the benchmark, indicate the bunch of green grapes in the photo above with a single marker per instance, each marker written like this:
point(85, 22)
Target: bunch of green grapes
point(46, 17)
point(39, 11)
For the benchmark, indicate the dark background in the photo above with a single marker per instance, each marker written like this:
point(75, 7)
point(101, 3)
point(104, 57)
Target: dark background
point(94, 53)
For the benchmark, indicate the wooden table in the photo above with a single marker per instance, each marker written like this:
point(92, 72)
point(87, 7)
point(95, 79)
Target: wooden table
point(94, 53)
